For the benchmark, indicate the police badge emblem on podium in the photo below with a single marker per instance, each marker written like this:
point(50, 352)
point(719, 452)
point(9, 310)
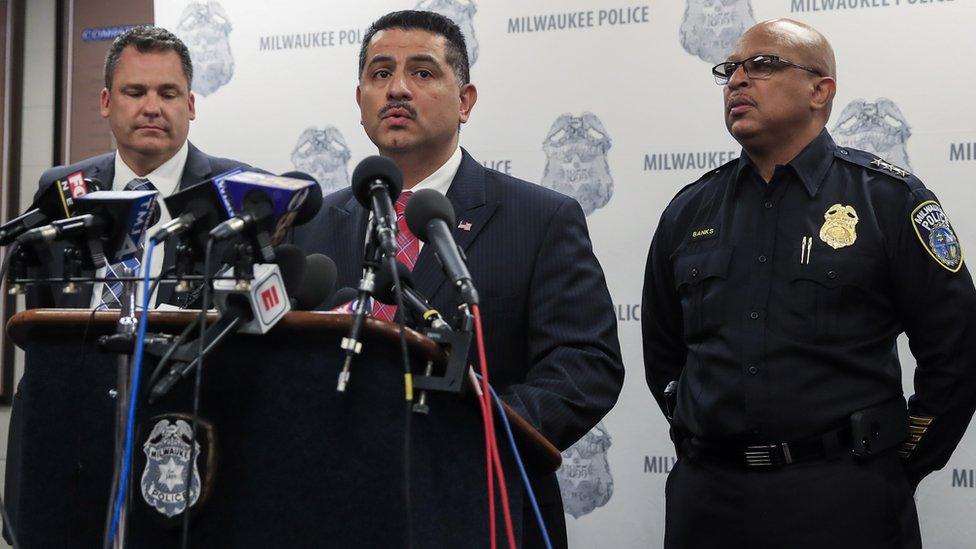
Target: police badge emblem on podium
point(172, 471)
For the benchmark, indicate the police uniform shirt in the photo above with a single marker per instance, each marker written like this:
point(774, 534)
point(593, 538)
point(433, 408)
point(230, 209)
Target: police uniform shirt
point(777, 305)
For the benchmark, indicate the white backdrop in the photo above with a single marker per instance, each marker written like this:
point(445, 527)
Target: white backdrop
point(275, 87)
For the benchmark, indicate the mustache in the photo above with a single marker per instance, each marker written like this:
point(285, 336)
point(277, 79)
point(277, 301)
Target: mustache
point(398, 105)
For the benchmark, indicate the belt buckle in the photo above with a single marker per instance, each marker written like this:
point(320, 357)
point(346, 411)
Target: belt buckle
point(768, 455)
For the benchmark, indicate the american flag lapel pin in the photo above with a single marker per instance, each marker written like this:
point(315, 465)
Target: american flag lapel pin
point(464, 226)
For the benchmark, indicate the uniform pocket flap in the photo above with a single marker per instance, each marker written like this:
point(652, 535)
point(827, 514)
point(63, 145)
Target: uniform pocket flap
point(695, 267)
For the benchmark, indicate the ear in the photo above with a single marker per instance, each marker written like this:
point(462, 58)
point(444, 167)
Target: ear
point(103, 102)
point(822, 95)
point(359, 101)
point(193, 106)
point(469, 96)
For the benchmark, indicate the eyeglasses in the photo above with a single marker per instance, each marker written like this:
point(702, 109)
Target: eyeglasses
point(759, 67)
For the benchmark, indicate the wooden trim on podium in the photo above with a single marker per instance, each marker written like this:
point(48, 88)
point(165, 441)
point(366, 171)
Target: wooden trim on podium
point(24, 323)
point(541, 456)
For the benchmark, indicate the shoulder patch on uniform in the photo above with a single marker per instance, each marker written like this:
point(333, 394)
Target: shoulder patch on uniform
point(937, 235)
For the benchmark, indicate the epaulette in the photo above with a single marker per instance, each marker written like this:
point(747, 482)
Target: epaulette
point(877, 164)
point(708, 174)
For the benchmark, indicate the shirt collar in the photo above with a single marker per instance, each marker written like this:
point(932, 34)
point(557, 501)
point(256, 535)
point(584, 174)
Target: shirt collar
point(810, 165)
point(442, 177)
point(166, 177)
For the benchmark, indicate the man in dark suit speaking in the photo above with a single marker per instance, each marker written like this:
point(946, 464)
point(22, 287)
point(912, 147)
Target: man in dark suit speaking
point(149, 105)
point(550, 329)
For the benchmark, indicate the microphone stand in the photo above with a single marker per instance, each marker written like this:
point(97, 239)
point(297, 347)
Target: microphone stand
point(367, 285)
point(127, 326)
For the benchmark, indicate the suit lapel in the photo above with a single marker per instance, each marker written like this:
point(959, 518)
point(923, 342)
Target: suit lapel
point(353, 233)
point(197, 168)
point(104, 172)
point(472, 210)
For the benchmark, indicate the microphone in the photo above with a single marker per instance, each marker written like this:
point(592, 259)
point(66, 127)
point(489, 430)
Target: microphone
point(319, 282)
point(376, 183)
point(260, 202)
point(341, 297)
point(430, 216)
point(267, 297)
point(386, 293)
point(114, 222)
point(253, 310)
point(312, 204)
point(53, 201)
point(196, 207)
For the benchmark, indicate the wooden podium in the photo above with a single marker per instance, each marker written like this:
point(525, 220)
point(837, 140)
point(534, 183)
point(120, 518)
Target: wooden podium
point(298, 464)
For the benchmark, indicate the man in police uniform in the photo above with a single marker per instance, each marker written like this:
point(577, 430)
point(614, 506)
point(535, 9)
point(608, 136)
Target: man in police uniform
point(775, 288)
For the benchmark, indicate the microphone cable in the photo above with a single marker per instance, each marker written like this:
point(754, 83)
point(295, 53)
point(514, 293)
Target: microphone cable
point(491, 444)
point(408, 394)
point(521, 467)
point(122, 486)
point(197, 382)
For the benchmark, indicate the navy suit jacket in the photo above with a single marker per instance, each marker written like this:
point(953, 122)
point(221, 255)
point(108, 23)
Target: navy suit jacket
point(199, 166)
point(549, 323)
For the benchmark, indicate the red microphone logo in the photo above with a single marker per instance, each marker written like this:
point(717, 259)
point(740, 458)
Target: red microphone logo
point(269, 298)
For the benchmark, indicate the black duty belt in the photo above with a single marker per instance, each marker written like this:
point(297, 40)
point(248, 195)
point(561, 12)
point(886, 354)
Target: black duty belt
point(866, 432)
point(774, 454)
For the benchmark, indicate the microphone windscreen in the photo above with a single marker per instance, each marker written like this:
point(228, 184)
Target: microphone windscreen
point(373, 168)
point(424, 206)
point(291, 261)
point(320, 278)
point(384, 292)
point(313, 202)
point(344, 295)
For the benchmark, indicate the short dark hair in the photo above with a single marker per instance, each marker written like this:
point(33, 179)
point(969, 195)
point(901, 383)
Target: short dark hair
point(146, 39)
point(457, 50)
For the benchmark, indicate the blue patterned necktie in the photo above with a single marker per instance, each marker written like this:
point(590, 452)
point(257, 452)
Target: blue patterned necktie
point(112, 291)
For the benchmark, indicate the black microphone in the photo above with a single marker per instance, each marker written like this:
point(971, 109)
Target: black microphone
point(113, 222)
point(319, 282)
point(386, 293)
point(341, 297)
point(52, 202)
point(376, 183)
point(430, 217)
point(313, 202)
point(253, 310)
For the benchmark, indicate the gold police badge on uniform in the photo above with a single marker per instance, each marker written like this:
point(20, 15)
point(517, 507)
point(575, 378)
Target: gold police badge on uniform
point(838, 228)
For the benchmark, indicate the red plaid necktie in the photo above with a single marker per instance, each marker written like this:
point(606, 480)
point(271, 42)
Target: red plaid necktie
point(408, 248)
